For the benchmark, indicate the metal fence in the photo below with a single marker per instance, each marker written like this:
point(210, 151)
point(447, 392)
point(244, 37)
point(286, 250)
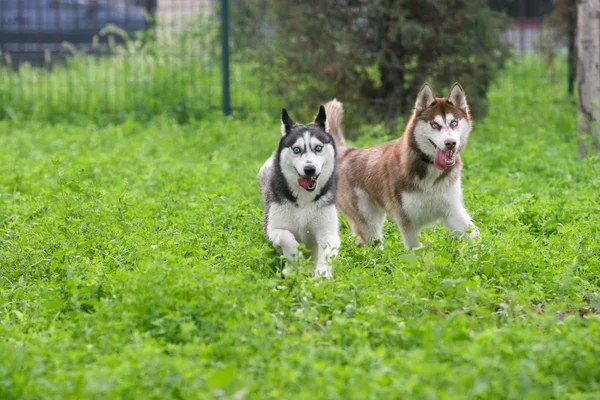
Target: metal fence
point(45, 32)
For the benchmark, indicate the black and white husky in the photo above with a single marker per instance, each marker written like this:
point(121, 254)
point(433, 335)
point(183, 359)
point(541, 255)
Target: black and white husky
point(298, 186)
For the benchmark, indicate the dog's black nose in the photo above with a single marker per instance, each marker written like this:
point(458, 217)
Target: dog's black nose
point(310, 170)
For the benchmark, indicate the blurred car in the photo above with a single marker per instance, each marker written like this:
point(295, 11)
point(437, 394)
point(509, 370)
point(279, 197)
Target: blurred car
point(77, 21)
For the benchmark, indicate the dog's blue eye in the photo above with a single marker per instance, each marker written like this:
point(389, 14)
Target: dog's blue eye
point(318, 148)
point(434, 125)
point(296, 150)
point(454, 123)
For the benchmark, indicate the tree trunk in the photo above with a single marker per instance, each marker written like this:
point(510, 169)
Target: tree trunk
point(588, 74)
point(571, 36)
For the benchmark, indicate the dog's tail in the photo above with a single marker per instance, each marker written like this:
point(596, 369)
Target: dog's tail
point(334, 110)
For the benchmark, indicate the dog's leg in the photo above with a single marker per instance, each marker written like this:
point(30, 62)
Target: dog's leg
point(285, 243)
point(326, 241)
point(347, 205)
point(459, 221)
point(328, 246)
point(373, 216)
point(410, 232)
point(357, 229)
point(410, 236)
point(375, 228)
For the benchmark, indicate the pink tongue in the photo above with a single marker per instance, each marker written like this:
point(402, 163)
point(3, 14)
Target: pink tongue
point(304, 182)
point(440, 159)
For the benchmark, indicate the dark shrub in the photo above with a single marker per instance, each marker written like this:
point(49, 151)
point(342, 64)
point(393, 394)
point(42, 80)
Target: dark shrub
point(372, 55)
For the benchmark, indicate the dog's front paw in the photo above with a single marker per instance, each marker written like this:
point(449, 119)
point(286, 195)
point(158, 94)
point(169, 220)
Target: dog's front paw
point(358, 241)
point(323, 271)
point(472, 233)
point(416, 246)
point(377, 243)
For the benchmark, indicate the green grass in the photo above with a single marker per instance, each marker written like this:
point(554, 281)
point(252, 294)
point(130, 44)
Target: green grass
point(176, 74)
point(132, 265)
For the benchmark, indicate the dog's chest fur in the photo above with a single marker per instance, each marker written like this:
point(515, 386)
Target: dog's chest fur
point(430, 198)
point(303, 220)
point(289, 207)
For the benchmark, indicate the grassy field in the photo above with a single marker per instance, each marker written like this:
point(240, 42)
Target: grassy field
point(132, 265)
point(176, 76)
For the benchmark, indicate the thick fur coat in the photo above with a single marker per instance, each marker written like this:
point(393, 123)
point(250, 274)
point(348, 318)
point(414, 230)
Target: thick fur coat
point(416, 179)
point(298, 186)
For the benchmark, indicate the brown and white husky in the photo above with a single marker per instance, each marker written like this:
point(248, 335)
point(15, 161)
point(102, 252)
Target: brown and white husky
point(415, 178)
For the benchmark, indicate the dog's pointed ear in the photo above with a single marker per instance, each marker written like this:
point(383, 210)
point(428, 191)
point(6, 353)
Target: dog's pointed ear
point(457, 97)
point(425, 98)
point(286, 122)
point(321, 117)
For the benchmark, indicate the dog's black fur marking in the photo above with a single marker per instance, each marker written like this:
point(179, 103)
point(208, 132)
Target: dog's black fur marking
point(287, 121)
point(330, 187)
point(280, 189)
point(321, 118)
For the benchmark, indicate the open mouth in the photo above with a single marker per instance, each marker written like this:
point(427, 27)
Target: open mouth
point(443, 159)
point(309, 183)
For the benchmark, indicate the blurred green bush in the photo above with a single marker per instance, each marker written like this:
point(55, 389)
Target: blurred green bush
point(373, 56)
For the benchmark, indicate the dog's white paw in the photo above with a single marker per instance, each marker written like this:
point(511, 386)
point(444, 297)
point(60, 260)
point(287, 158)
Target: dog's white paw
point(472, 233)
point(377, 243)
point(358, 241)
point(323, 271)
point(417, 246)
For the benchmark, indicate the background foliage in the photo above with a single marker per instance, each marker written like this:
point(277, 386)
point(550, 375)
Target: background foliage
point(376, 54)
point(168, 71)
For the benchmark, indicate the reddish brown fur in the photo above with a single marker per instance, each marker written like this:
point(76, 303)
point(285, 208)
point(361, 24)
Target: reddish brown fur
point(384, 171)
